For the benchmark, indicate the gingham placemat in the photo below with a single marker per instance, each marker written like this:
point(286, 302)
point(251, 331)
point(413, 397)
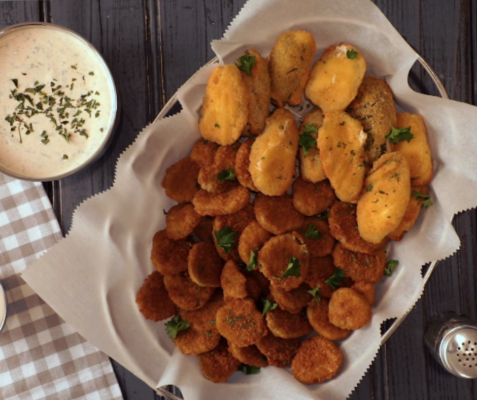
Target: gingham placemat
point(41, 357)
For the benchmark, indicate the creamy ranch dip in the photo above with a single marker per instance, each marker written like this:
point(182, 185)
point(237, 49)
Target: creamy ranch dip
point(57, 102)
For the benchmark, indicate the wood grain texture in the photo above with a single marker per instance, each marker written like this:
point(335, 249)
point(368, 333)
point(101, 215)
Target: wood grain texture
point(154, 46)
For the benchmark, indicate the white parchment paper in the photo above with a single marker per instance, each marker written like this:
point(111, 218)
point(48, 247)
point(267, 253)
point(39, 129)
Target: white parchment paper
point(91, 277)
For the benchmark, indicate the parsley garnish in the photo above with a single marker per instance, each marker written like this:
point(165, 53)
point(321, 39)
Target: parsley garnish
point(248, 369)
point(390, 267)
point(427, 202)
point(245, 64)
point(226, 175)
point(336, 278)
point(253, 261)
point(369, 188)
point(396, 135)
point(293, 269)
point(15, 82)
point(307, 142)
point(314, 293)
point(312, 232)
point(176, 325)
point(310, 128)
point(268, 306)
point(323, 215)
point(225, 239)
point(351, 54)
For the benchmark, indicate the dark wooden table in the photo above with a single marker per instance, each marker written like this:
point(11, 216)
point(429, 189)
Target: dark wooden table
point(153, 46)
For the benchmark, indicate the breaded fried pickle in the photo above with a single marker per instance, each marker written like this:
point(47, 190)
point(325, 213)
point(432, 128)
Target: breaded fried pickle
point(317, 313)
point(349, 309)
point(284, 253)
point(319, 270)
point(374, 108)
point(242, 165)
point(224, 111)
point(210, 177)
point(289, 65)
point(286, 325)
point(273, 154)
point(253, 237)
point(384, 201)
point(366, 289)
point(279, 352)
point(203, 152)
point(259, 92)
point(153, 300)
point(180, 181)
point(341, 142)
point(293, 300)
point(359, 266)
point(185, 293)
point(344, 228)
point(316, 234)
point(169, 256)
point(318, 360)
point(224, 203)
point(335, 77)
point(205, 265)
point(277, 214)
point(241, 323)
point(233, 281)
point(218, 365)
point(310, 163)
point(249, 355)
point(181, 220)
point(312, 198)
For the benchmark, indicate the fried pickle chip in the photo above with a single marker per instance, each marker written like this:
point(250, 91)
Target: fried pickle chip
point(242, 164)
point(318, 360)
point(284, 260)
point(241, 323)
point(312, 198)
point(374, 108)
point(319, 270)
point(203, 152)
point(273, 154)
point(416, 151)
point(169, 256)
point(233, 281)
point(258, 84)
point(384, 202)
point(205, 265)
point(225, 203)
point(317, 313)
point(262, 281)
point(279, 352)
point(249, 355)
point(318, 239)
point(344, 228)
point(336, 77)
point(181, 221)
point(205, 229)
point(218, 365)
point(185, 293)
point(311, 168)
point(289, 65)
point(285, 325)
point(277, 214)
point(224, 112)
point(153, 300)
point(360, 266)
point(201, 335)
point(253, 237)
point(349, 309)
point(366, 289)
point(180, 181)
point(237, 222)
point(411, 215)
point(341, 142)
point(292, 301)
point(210, 177)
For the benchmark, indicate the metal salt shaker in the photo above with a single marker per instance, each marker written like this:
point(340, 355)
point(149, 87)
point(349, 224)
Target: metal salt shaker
point(452, 340)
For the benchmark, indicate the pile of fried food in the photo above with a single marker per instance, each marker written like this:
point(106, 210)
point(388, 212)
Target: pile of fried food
point(254, 258)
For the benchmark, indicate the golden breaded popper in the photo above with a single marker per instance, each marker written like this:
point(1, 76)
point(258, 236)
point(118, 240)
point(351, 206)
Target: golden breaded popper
point(289, 65)
point(273, 154)
point(386, 194)
point(224, 111)
point(341, 143)
point(336, 77)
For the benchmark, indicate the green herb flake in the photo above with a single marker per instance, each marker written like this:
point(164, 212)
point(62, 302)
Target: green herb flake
point(268, 306)
point(306, 142)
point(226, 175)
point(15, 82)
point(369, 188)
point(245, 64)
point(253, 261)
point(396, 135)
point(314, 293)
point(293, 269)
point(336, 278)
point(91, 73)
point(75, 66)
point(351, 54)
point(248, 369)
point(225, 239)
point(65, 156)
point(312, 232)
point(391, 264)
point(217, 125)
point(281, 127)
point(324, 215)
point(176, 325)
point(427, 202)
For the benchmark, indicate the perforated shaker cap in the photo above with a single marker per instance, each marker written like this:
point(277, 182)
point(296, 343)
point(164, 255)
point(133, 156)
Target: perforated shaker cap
point(458, 351)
